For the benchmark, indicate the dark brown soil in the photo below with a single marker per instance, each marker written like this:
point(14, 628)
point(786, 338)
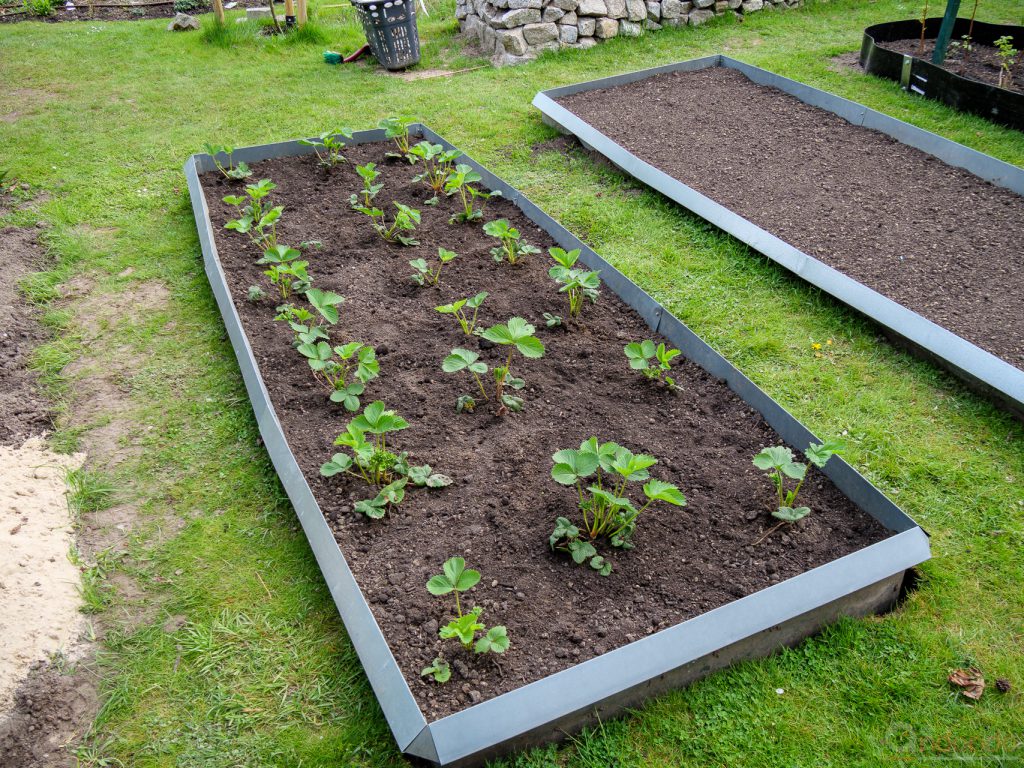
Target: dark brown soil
point(982, 63)
point(934, 238)
point(25, 411)
point(503, 505)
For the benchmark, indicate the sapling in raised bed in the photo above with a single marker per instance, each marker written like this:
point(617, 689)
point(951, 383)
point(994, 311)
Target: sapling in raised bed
point(397, 129)
point(778, 462)
point(328, 147)
point(653, 361)
point(512, 246)
point(234, 171)
point(364, 198)
point(255, 219)
point(577, 284)
point(437, 167)
point(427, 275)
point(607, 511)
point(465, 626)
point(405, 220)
point(459, 308)
point(460, 181)
point(517, 335)
point(1007, 59)
point(286, 271)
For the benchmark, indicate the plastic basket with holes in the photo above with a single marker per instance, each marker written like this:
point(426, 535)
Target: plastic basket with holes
point(390, 28)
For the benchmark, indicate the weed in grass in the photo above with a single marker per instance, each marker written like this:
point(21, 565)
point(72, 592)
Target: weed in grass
point(88, 491)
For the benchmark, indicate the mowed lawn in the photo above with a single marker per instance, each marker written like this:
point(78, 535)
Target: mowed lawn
point(99, 117)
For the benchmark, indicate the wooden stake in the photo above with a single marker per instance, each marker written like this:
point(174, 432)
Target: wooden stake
point(218, 11)
point(302, 13)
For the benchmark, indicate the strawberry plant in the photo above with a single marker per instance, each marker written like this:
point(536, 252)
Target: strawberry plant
point(653, 361)
point(778, 462)
point(397, 129)
point(437, 166)
point(232, 171)
point(552, 321)
point(255, 219)
point(466, 322)
point(439, 670)
point(326, 303)
point(406, 220)
point(577, 284)
point(518, 335)
point(607, 511)
point(328, 146)
point(461, 181)
point(464, 627)
point(285, 270)
point(426, 275)
point(512, 247)
point(368, 173)
point(303, 325)
point(344, 369)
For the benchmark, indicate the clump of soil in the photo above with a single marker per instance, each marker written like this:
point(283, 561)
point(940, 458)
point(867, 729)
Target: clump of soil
point(981, 63)
point(503, 505)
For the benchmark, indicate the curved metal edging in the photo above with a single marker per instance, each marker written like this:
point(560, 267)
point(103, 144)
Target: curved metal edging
point(861, 582)
point(979, 368)
point(926, 79)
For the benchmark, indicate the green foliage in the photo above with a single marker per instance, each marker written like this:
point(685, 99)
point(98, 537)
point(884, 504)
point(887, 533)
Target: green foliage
point(397, 129)
point(437, 166)
point(231, 170)
point(41, 8)
point(779, 463)
point(189, 6)
point(458, 309)
point(328, 146)
point(425, 275)
point(255, 219)
point(512, 247)
point(460, 182)
point(456, 578)
point(552, 321)
point(345, 369)
point(303, 324)
point(577, 284)
point(516, 334)
point(326, 303)
point(255, 294)
point(1007, 59)
point(439, 670)
point(406, 220)
point(364, 199)
point(286, 271)
point(606, 508)
point(653, 361)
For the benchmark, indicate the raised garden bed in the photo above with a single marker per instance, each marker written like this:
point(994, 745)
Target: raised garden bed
point(917, 232)
point(703, 586)
point(969, 82)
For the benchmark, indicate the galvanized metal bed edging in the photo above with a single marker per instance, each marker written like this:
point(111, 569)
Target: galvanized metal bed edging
point(483, 728)
point(978, 367)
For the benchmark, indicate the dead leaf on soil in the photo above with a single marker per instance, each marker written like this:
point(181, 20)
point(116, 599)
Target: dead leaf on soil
point(970, 682)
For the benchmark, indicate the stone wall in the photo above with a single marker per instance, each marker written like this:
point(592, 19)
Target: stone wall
point(513, 31)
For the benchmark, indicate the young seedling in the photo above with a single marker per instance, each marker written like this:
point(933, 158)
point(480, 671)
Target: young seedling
point(512, 247)
point(231, 170)
point(778, 462)
point(459, 308)
point(345, 369)
point(326, 303)
point(517, 335)
point(328, 146)
point(364, 199)
point(397, 129)
point(303, 324)
point(437, 166)
point(255, 294)
point(425, 275)
point(653, 361)
point(552, 321)
point(461, 181)
point(285, 270)
point(255, 219)
point(1007, 59)
point(439, 670)
point(406, 220)
point(607, 510)
point(370, 458)
point(465, 626)
point(577, 284)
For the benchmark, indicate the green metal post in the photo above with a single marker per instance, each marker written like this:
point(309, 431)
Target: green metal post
point(945, 31)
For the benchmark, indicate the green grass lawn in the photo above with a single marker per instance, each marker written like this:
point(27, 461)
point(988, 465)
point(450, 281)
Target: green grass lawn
point(261, 673)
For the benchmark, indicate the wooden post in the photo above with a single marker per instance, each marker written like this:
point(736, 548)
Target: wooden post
point(302, 13)
point(289, 13)
point(218, 11)
point(945, 32)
